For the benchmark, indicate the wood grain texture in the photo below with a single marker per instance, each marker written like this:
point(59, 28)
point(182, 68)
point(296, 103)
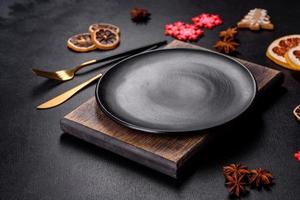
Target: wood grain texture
point(164, 153)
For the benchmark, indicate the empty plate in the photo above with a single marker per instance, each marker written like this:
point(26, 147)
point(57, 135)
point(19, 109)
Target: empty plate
point(175, 90)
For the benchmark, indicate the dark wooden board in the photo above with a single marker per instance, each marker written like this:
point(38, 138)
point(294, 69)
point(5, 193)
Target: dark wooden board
point(166, 154)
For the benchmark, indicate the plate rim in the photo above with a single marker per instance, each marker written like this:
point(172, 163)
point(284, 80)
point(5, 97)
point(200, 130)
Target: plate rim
point(162, 131)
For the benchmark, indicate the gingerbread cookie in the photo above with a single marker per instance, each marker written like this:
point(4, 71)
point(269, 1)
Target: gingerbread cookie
point(256, 19)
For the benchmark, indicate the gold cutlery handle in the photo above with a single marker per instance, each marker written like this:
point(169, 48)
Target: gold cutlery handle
point(82, 65)
point(67, 95)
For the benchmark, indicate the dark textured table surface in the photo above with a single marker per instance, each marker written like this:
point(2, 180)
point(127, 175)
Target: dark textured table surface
point(38, 161)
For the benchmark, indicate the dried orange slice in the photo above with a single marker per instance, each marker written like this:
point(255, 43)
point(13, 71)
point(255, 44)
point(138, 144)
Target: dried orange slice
point(112, 27)
point(297, 112)
point(279, 47)
point(81, 42)
point(292, 57)
point(105, 39)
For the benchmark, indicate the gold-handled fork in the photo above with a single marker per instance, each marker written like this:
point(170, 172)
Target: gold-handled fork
point(62, 75)
point(68, 74)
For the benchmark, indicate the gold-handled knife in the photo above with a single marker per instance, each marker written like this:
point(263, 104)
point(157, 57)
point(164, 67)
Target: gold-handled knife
point(67, 95)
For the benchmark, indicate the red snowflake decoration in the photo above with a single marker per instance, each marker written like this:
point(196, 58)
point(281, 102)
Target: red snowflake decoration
point(297, 155)
point(182, 31)
point(207, 20)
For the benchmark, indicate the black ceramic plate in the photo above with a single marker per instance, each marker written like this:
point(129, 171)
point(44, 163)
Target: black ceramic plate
point(175, 90)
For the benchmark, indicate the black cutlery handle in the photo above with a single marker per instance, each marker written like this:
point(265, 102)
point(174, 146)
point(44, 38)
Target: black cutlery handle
point(132, 51)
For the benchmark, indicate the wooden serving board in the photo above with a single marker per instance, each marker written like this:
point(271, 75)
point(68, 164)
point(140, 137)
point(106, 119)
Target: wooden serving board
point(166, 154)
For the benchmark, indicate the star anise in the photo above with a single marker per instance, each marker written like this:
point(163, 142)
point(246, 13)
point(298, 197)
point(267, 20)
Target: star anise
point(228, 33)
point(236, 184)
point(226, 45)
point(232, 169)
point(260, 177)
point(139, 14)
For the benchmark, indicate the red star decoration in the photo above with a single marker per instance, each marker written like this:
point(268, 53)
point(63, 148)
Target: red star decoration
point(182, 31)
point(297, 155)
point(207, 20)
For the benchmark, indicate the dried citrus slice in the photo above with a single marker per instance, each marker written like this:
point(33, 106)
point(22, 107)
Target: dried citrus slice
point(81, 42)
point(95, 27)
point(297, 112)
point(105, 39)
point(279, 47)
point(292, 57)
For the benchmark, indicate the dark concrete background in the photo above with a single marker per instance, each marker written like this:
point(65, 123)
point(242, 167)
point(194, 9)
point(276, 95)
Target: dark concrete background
point(38, 161)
